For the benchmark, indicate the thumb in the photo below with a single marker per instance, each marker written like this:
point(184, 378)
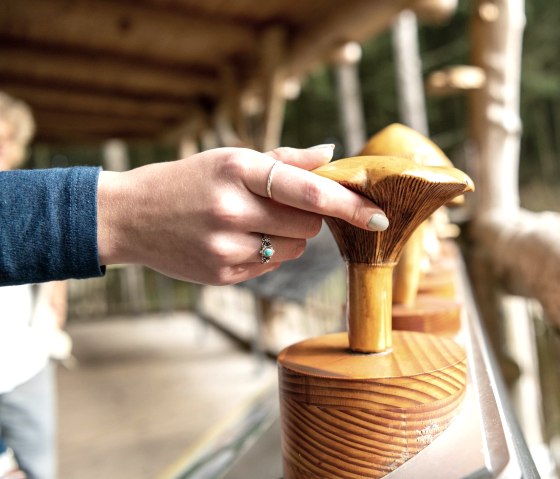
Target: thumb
point(307, 159)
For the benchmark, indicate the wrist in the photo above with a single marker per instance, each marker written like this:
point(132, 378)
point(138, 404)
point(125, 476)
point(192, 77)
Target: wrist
point(113, 219)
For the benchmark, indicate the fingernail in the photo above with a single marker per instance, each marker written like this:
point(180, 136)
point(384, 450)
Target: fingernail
point(325, 145)
point(326, 150)
point(378, 222)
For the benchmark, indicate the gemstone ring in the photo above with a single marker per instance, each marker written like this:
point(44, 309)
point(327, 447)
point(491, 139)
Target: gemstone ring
point(266, 251)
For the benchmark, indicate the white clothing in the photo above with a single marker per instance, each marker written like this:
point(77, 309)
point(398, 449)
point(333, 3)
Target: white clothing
point(23, 349)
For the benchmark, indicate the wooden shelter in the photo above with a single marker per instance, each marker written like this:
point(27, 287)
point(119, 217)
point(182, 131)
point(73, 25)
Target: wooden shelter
point(182, 70)
point(166, 69)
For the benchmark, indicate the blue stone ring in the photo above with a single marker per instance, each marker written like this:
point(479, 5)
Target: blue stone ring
point(266, 251)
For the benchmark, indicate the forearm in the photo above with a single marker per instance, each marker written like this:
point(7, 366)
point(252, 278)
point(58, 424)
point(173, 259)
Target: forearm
point(48, 228)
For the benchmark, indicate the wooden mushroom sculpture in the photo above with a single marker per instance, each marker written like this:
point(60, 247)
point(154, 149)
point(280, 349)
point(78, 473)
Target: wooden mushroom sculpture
point(358, 405)
point(411, 311)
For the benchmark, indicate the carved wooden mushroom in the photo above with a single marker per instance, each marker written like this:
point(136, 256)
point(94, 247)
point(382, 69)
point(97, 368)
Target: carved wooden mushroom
point(408, 193)
point(361, 404)
point(412, 311)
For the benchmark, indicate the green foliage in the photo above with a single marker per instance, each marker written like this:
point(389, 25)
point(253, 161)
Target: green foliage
point(313, 118)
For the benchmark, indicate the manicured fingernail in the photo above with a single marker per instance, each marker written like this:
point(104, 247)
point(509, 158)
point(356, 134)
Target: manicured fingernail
point(326, 150)
point(378, 222)
point(326, 145)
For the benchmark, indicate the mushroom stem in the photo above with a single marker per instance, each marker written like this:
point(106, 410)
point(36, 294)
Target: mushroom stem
point(369, 307)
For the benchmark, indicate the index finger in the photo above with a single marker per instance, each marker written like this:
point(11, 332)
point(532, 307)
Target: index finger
point(307, 191)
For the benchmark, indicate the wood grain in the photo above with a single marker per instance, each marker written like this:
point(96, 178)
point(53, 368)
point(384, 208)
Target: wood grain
point(350, 416)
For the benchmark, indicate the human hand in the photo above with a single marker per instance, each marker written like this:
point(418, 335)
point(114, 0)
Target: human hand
point(200, 219)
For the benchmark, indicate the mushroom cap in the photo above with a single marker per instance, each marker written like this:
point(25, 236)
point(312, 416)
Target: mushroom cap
point(407, 192)
point(366, 171)
point(401, 140)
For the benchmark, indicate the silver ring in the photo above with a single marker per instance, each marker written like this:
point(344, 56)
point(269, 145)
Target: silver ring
point(266, 251)
point(269, 179)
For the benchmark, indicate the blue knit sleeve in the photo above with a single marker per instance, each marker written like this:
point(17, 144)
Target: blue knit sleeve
point(48, 225)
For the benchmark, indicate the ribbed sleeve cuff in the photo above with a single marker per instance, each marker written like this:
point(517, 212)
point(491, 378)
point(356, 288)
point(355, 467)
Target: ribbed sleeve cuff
point(48, 225)
point(81, 242)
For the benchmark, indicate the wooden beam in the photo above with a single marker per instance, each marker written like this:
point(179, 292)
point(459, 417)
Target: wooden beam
point(53, 123)
point(495, 123)
point(434, 12)
point(408, 61)
point(84, 101)
point(273, 54)
point(349, 96)
point(188, 146)
point(190, 127)
point(525, 254)
point(228, 120)
point(98, 73)
point(454, 80)
point(353, 20)
point(125, 28)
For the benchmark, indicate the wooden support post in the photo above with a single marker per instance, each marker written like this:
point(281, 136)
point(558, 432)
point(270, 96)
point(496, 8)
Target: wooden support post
point(495, 124)
point(410, 88)
point(518, 246)
point(209, 139)
point(273, 52)
point(349, 95)
point(187, 146)
point(228, 119)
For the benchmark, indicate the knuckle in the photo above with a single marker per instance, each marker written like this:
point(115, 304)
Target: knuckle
point(314, 226)
point(235, 163)
point(315, 197)
point(282, 152)
point(218, 251)
point(357, 216)
point(227, 210)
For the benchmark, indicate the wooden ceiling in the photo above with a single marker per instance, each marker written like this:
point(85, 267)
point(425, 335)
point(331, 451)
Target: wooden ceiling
point(94, 69)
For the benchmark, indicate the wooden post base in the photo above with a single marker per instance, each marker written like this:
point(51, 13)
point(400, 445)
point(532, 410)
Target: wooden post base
point(440, 281)
point(350, 416)
point(429, 314)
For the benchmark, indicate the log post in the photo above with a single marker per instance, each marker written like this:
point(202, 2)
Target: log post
point(349, 96)
point(495, 124)
point(410, 88)
point(273, 53)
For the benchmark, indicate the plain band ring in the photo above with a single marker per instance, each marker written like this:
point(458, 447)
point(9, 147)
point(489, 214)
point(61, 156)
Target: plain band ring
point(269, 179)
point(266, 251)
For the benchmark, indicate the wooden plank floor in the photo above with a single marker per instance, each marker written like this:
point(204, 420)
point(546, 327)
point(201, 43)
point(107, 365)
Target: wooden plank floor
point(145, 390)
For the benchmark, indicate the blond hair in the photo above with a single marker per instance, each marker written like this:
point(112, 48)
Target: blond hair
point(17, 115)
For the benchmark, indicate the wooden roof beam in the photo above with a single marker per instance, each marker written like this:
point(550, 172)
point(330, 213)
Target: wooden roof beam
point(128, 29)
point(63, 69)
point(49, 121)
point(355, 20)
point(80, 101)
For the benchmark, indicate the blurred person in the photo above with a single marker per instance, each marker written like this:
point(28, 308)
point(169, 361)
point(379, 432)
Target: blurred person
point(30, 322)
